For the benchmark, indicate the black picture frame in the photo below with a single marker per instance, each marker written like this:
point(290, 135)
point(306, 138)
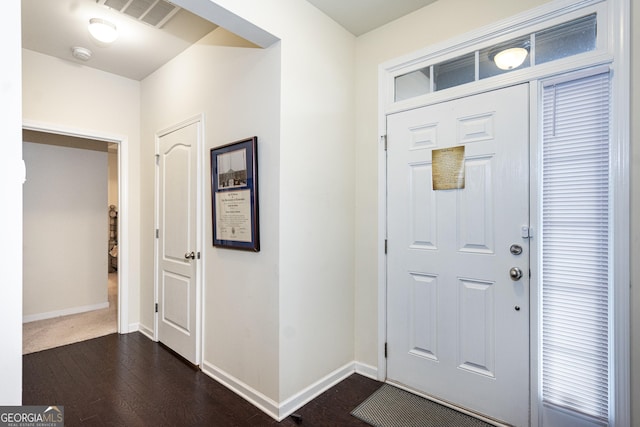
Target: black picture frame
point(234, 195)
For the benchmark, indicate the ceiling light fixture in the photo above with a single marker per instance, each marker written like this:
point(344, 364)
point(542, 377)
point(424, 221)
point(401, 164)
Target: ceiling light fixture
point(103, 30)
point(508, 58)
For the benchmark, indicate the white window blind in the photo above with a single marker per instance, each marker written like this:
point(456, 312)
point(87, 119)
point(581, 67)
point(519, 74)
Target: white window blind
point(575, 245)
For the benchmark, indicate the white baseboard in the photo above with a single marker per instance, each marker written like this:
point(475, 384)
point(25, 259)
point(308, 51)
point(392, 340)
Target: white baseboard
point(133, 327)
point(300, 399)
point(279, 411)
point(367, 370)
point(148, 332)
point(66, 312)
point(264, 403)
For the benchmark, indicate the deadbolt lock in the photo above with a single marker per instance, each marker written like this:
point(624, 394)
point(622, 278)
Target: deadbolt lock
point(515, 249)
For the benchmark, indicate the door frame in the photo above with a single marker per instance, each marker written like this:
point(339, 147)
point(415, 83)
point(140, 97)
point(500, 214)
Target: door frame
point(123, 206)
point(613, 51)
point(200, 246)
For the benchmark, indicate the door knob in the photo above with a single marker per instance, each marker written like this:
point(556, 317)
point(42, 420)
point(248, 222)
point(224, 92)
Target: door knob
point(515, 273)
point(190, 255)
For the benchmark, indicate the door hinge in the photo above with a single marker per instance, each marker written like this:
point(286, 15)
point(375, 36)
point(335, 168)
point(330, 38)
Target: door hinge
point(386, 246)
point(385, 350)
point(157, 233)
point(157, 159)
point(383, 139)
point(156, 307)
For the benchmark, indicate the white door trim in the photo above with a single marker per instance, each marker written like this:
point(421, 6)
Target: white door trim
point(123, 206)
point(200, 246)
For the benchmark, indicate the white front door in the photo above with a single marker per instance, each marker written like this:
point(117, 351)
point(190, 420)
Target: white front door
point(458, 324)
point(178, 255)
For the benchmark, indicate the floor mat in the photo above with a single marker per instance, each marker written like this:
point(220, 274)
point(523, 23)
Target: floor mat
point(392, 407)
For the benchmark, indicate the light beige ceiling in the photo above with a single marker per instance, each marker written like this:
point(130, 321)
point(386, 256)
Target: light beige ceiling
point(53, 27)
point(362, 16)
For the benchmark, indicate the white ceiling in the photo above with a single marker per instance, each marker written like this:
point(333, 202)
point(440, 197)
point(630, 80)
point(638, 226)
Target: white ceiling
point(53, 27)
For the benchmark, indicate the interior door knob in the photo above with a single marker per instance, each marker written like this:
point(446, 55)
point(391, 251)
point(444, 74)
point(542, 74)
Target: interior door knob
point(190, 255)
point(515, 273)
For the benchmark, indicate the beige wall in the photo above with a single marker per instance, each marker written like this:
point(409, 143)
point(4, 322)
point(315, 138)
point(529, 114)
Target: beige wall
point(65, 95)
point(237, 90)
point(316, 210)
point(65, 230)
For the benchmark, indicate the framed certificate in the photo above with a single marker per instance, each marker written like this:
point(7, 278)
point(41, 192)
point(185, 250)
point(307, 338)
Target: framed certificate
point(234, 195)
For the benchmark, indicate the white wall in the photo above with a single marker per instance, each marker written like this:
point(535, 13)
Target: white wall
point(238, 90)
point(317, 193)
point(316, 188)
point(11, 175)
point(65, 230)
point(71, 96)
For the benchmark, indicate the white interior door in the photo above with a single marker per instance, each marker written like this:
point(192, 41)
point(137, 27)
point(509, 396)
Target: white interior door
point(458, 324)
point(178, 255)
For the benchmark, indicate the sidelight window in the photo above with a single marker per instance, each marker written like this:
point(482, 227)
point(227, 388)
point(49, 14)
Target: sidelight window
point(576, 260)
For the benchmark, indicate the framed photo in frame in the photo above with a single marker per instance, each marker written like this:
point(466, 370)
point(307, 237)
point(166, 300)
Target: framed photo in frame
point(234, 195)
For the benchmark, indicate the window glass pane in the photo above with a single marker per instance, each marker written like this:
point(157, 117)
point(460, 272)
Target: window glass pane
point(412, 84)
point(455, 72)
point(568, 39)
point(488, 67)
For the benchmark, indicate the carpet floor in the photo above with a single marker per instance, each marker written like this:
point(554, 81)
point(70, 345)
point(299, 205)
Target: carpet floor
point(49, 333)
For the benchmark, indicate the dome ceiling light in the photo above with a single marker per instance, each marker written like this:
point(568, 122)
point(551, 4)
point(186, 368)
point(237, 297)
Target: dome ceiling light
point(510, 57)
point(103, 30)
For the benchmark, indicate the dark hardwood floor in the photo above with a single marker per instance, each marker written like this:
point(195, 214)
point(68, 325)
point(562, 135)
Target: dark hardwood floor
point(128, 380)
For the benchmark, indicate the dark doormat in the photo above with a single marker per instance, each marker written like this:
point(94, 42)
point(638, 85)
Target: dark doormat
point(392, 407)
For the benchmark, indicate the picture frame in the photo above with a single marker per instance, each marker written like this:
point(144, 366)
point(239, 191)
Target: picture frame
point(234, 195)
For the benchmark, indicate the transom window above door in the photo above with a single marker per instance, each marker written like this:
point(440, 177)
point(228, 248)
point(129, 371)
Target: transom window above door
point(548, 44)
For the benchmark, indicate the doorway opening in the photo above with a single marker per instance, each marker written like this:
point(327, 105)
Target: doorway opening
point(75, 239)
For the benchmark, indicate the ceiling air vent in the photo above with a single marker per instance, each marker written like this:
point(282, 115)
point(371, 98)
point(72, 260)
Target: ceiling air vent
point(153, 12)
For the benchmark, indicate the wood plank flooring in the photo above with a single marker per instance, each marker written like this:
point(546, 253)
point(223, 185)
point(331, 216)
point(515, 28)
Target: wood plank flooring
point(128, 380)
